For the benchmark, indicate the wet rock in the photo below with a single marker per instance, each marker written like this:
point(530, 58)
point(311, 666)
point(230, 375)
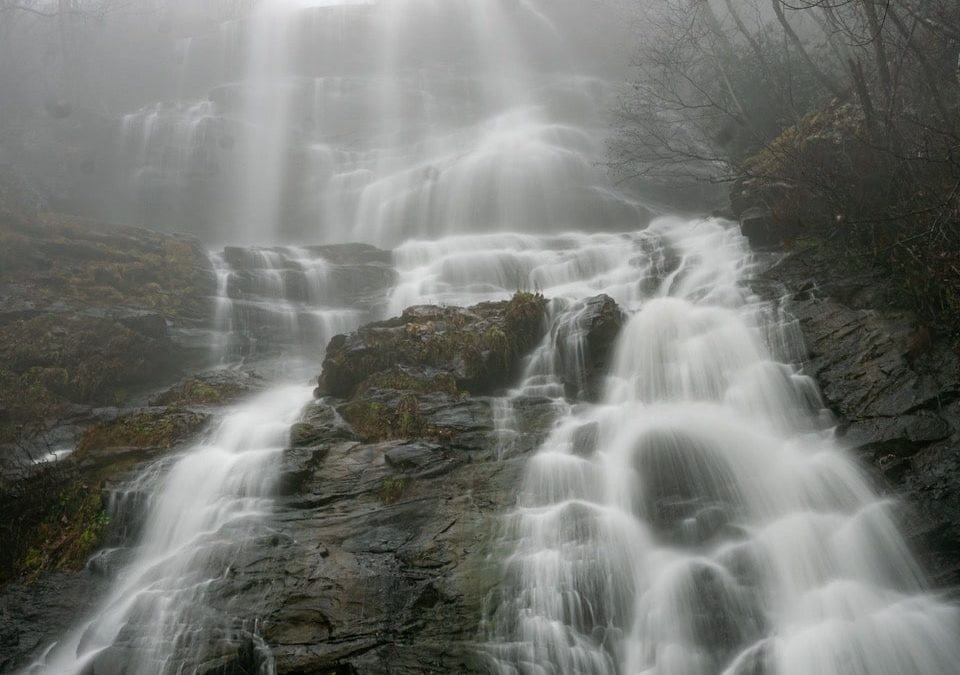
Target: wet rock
point(680, 470)
point(585, 439)
point(148, 428)
point(479, 347)
point(902, 436)
point(214, 388)
point(378, 556)
point(585, 337)
point(897, 397)
point(34, 615)
point(413, 376)
point(762, 228)
point(723, 617)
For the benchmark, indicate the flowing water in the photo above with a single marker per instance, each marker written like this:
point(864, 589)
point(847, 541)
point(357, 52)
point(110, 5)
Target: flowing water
point(698, 518)
point(200, 507)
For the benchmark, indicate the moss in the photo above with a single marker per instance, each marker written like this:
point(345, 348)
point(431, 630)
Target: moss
point(379, 421)
point(161, 429)
point(404, 380)
point(392, 489)
point(193, 392)
point(387, 367)
point(67, 532)
point(479, 345)
point(74, 353)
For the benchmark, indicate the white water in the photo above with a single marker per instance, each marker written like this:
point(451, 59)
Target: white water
point(383, 121)
point(701, 520)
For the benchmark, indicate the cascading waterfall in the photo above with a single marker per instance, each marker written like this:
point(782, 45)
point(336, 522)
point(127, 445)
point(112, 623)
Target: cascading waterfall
point(200, 507)
point(701, 519)
point(698, 519)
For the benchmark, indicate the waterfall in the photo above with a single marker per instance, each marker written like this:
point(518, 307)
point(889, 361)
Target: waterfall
point(701, 518)
point(355, 120)
point(693, 514)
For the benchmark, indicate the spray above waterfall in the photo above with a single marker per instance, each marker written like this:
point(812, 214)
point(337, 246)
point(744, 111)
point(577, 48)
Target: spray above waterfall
point(384, 121)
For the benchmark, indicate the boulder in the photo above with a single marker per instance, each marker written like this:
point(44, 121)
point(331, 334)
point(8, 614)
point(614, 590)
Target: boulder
point(476, 349)
point(585, 337)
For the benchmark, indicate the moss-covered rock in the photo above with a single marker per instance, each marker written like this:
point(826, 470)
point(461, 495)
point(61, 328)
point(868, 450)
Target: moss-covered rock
point(209, 389)
point(87, 312)
point(148, 428)
point(410, 376)
point(56, 515)
point(478, 348)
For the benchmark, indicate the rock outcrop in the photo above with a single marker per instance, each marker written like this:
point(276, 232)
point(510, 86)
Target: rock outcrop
point(893, 385)
point(477, 349)
point(387, 529)
point(91, 314)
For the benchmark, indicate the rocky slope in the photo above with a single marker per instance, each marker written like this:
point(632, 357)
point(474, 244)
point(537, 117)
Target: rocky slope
point(91, 313)
point(892, 383)
point(92, 318)
point(383, 545)
point(382, 549)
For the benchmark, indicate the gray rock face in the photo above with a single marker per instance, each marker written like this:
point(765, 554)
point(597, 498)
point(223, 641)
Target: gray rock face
point(759, 226)
point(378, 558)
point(894, 386)
point(33, 616)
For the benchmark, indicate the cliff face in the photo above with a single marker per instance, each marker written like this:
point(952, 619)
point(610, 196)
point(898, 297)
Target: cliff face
point(892, 383)
point(90, 313)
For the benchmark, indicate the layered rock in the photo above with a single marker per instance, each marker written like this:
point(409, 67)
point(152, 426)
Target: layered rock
point(384, 547)
point(892, 383)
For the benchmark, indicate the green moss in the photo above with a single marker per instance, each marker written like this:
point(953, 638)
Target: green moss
point(140, 430)
point(376, 421)
point(402, 380)
point(392, 490)
point(67, 532)
point(201, 392)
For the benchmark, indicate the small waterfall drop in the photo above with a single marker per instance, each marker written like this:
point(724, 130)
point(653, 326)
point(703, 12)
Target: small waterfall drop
point(203, 504)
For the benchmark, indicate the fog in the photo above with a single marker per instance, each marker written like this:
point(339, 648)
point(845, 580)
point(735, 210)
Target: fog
point(318, 121)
